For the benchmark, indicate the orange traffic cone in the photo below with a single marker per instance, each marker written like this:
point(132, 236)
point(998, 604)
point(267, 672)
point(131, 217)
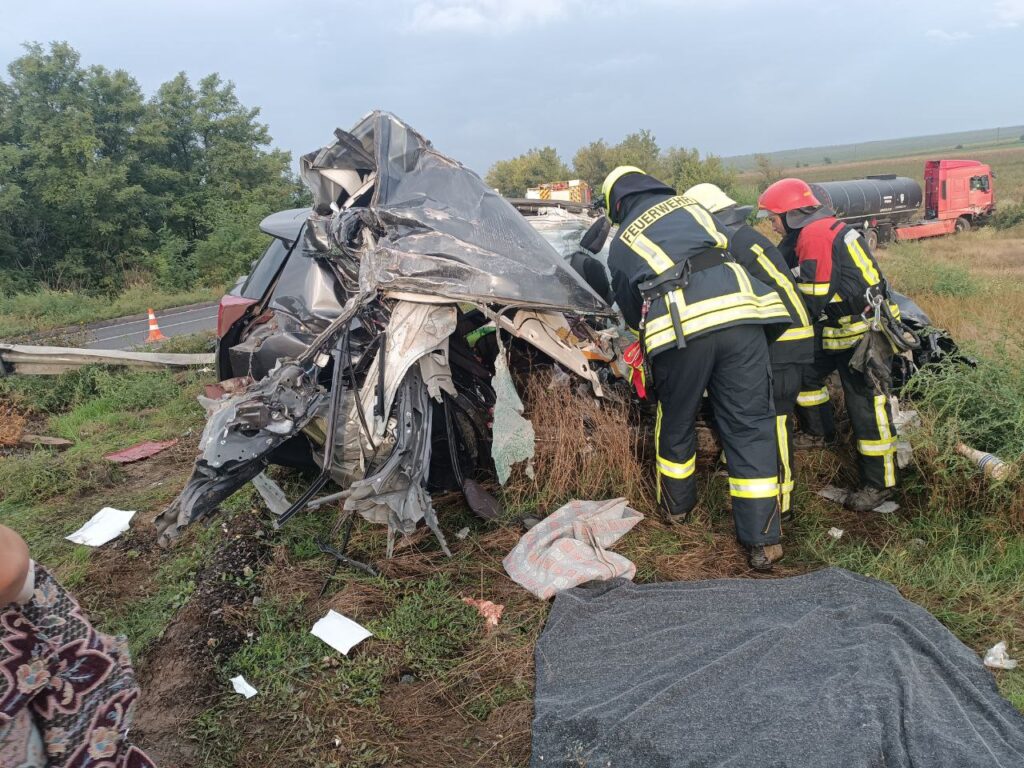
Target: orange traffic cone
point(155, 333)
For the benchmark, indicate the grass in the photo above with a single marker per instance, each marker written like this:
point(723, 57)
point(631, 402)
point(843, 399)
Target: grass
point(27, 313)
point(433, 687)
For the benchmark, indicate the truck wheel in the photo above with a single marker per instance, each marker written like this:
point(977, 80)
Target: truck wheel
point(871, 236)
point(963, 224)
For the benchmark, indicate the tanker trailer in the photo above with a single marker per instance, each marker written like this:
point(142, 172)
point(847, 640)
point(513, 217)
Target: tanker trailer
point(875, 205)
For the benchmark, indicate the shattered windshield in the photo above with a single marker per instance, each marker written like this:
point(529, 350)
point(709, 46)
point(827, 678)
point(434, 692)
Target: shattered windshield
point(443, 231)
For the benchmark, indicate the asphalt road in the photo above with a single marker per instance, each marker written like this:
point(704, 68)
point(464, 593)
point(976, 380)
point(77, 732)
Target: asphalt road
point(131, 332)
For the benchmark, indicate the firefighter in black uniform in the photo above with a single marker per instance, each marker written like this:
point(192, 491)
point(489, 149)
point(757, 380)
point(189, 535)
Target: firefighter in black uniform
point(843, 287)
point(704, 324)
point(793, 350)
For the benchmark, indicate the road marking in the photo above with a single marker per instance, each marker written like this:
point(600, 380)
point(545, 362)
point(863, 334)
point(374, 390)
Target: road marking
point(144, 330)
point(159, 315)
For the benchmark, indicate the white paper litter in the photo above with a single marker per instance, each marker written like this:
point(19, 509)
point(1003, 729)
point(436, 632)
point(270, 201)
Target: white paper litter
point(462, 534)
point(998, 658)
point(340, 632)
point(836, 533)
point(106, 525)
point(887, 507)
point(241, 685)
point(832, 493)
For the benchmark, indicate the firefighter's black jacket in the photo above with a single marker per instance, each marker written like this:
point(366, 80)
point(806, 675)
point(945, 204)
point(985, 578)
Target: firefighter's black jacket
point(659, 231)
point(764, 261)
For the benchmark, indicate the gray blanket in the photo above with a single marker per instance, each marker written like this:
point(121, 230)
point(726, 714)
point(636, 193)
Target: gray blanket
point(825, 669)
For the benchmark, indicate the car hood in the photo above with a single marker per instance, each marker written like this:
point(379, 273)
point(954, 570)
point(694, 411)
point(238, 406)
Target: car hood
point(438, 228)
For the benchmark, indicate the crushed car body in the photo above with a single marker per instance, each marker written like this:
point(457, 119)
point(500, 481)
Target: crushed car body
point(375, 353)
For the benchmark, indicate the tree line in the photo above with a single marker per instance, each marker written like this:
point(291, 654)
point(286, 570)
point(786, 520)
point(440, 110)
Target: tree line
point(102, 187)
point(677, 166)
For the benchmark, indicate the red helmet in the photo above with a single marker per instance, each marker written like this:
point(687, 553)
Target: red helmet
point(787, 195)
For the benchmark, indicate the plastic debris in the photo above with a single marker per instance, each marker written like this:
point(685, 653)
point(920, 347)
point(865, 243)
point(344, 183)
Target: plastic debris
point(838, 495)
point(998, 658)
point(991, 465)
point(462, 534)
point(836, 533)
point(832, 493)
point(106, 525)
point(490, 611)
point(513, 435)
point(340, 632)
point(241, 685)
point(140, 451)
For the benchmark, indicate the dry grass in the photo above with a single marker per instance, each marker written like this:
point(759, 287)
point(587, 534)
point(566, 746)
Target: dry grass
point(586, 449)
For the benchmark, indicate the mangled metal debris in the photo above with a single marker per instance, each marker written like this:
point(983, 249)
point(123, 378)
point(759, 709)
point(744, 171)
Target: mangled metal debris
point(376, 354)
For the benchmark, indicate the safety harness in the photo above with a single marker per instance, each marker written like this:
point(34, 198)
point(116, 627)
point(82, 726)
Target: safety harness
point(678, 277)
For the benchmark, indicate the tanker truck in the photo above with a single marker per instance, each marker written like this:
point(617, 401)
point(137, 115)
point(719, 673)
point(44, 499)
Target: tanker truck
point(957, 195)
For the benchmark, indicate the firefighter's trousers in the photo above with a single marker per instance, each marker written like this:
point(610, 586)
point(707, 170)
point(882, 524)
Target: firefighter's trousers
point(786, 383)
point(870, 416)
point(873, 429)
point(813, 407)
point(732, 365)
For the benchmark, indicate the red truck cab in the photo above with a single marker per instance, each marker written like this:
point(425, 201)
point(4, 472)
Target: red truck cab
point(957, 195)
point(958, 188)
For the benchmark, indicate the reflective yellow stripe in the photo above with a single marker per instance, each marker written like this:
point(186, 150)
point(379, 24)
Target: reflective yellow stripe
point(691, 312)
point(704, 219)
point(754, 487)
point(657, 447)
point(860, 258)
point(836, 298)
point(786, 472)
point(876, 447)
point(813, 289)
point(783, 283)
point(793, 334)
point(676, 470)
point(742, 277)
point(812, 397)
point(844, 336)
point(646, 249)
point(714, 319)
point(889, 458)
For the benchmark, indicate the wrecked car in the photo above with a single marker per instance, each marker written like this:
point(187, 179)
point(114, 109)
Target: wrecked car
point(375, 356)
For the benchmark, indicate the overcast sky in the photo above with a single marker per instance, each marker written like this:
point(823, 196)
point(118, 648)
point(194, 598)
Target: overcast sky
point(488, 79)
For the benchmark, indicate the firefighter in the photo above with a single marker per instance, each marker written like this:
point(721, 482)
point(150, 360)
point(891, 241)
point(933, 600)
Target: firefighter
point(813, 406)
point(704, 325)
point(841, 283)
point(793, 351)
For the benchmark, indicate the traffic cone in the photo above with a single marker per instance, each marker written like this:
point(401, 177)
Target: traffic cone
point(154, 330)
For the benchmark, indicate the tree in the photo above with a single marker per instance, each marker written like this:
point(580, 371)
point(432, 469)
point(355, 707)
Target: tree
point(513, 177)
point(70, 202)
point(593, 162)
point(639, 149)
point(768, 170)
point(98, 185)
point(682, 168)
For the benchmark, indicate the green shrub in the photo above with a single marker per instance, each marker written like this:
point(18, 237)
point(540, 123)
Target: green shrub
point(1007, 216)
point(913, 273)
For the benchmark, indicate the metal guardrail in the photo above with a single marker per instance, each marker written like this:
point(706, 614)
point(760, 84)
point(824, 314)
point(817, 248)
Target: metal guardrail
point(32, 360)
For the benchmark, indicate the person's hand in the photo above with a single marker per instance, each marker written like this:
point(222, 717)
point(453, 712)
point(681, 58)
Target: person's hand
point(14, 565)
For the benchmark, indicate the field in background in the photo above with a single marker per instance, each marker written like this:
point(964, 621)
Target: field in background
point(942, 143)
